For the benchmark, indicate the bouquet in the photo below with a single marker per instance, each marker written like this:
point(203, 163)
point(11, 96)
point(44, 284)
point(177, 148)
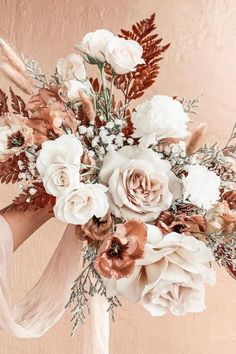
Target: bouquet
point(152, 205)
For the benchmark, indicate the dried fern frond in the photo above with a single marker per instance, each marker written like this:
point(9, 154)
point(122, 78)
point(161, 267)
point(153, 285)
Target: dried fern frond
point(3, 103)
point(9, 170)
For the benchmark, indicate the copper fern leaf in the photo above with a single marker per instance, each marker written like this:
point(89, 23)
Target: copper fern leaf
point(9, 170)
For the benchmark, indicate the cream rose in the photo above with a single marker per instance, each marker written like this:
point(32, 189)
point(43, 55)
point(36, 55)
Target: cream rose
point(94, 43)
point(59, 163)
point(70, 89)
point(161, 117)
point(79, 205)
point(141, 185)
point(123, 55)
point(201, 186)
point(15, 135)
point(71, 68)
point(170, 277)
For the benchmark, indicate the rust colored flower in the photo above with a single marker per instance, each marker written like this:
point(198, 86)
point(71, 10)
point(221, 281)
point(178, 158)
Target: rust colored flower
point(98, 229)
point(230, 198)
point(168, 222)
point(120, 250)
point(48, 116)
point(15, 135)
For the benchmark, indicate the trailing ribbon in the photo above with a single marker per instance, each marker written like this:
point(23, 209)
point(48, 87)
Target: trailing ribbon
point(45, 303)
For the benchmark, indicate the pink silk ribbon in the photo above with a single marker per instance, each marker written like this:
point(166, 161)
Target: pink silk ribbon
point(45, 303)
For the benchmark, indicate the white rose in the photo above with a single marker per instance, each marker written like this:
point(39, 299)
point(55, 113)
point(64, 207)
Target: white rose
point(61, 178)
point(94, 43)
point(170, 277)
point(59, 163)
point(123, 55)
point(79, 205)
point(201, 186)
point(161, 117)
point(70, 89)
point(141, 185)
point(72, 67)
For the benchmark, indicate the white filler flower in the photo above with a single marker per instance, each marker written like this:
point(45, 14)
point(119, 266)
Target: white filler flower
point(201, 186)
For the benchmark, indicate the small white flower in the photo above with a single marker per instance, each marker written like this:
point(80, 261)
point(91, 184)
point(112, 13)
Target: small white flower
point(32, 191)
point(82, 129)
point(201, 186)
point(130, 141)
point(90, 132)
point(103, 133)
point(110, 125)
point(95, 141)
point(22, 175)
point(118, 121)
point(119, 141)
point(91, 153)
point(28, 200)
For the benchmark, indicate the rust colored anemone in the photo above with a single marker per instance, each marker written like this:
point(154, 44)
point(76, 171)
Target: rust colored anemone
point(120, 250)
point(168, 222)
point(48, 116)
point(98, 229)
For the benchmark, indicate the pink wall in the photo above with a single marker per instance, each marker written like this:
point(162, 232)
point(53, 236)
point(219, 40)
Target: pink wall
point(201, 60)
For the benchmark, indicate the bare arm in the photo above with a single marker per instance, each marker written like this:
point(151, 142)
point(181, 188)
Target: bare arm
point(23, 224)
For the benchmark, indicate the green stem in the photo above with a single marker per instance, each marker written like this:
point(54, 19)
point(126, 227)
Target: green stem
point(104, 85)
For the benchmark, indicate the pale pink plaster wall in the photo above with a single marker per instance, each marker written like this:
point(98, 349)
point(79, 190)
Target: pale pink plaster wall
point(201, 60)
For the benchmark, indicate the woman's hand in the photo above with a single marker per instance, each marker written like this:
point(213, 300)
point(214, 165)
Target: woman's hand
point(24, 223)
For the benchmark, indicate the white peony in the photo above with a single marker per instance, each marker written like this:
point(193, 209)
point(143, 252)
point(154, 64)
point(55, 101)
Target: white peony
point(123, 55)
point(141, 184)
point(71, 68)
point(201, 186)
point(161, 117)
point(94, 43)
point(59, 163)
point(170, 277)
point(79, 205)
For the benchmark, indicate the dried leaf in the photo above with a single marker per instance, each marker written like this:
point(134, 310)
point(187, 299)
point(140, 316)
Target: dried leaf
point(26, 201)
point(18, 105)
point(3, 103)
point(9, 170)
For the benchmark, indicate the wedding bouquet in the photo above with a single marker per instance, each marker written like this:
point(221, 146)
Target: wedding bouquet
point(152, 205)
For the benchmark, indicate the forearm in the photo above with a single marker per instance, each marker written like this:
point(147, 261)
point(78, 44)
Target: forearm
point(23, 224)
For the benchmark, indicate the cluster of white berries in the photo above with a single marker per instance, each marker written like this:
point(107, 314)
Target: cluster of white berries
point(107, 137)
point(174, 151)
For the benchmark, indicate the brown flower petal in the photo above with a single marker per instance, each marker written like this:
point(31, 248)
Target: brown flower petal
point(169, 222)
point(49, 116)
point(122, 249)
point(230, 198)
point(98, 229)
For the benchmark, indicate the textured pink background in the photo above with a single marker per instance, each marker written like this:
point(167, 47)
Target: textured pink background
point(201, 61)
